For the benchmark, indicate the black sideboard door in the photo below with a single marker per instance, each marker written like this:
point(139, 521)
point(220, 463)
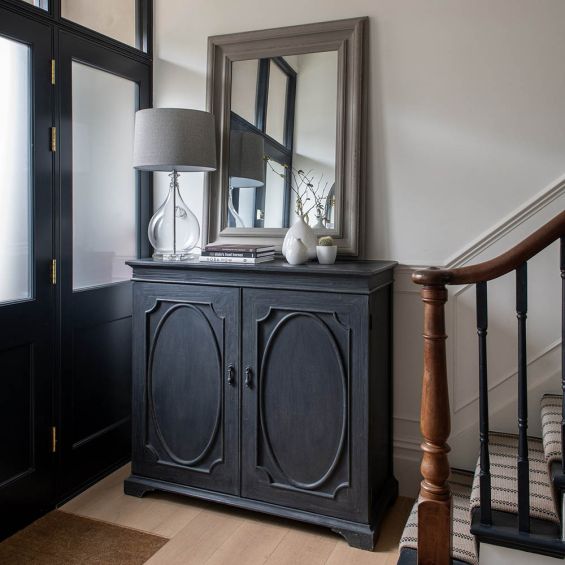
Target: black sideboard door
point(303, 440)
point(186, 379)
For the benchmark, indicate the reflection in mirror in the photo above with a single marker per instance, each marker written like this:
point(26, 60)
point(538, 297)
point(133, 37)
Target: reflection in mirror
point(246, 174)
point(283, 141)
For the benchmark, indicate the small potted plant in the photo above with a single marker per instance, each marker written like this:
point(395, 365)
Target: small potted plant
point(326, 250)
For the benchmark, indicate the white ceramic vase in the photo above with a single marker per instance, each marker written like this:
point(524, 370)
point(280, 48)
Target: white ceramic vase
point(301, 230)
point(326, 254)
point(296, 251)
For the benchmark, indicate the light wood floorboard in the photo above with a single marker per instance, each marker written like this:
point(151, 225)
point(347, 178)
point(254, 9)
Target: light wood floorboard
point(202, 533)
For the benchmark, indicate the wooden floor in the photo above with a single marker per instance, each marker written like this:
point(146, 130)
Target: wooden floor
point(204, 533)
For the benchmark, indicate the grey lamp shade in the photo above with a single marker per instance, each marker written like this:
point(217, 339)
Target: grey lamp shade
point(247, 165)
point(174, 138)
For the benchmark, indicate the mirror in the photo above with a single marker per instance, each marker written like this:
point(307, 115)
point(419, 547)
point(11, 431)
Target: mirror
point(290, 115)
point(283, 141)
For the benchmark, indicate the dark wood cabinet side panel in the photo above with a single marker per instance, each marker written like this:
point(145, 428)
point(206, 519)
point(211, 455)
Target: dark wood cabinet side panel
point(381, 472)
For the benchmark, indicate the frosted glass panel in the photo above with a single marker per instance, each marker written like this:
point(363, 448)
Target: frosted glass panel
point(104, 188)
point(276, 103)
point(114, 18)
point(15, 171)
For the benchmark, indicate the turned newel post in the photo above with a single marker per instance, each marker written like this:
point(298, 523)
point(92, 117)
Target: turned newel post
point(434, 509)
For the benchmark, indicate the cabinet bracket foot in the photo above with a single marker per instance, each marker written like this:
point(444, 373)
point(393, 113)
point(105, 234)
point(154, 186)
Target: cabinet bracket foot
point(133, 488)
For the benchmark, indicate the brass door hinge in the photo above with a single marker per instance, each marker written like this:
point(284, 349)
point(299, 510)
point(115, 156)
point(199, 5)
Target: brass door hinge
point(54, 272)
point(52, 71)
point(53, 439)
point(53, 139)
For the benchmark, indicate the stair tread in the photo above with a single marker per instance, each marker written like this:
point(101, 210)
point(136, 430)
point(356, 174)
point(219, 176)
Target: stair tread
point(463, 543)
point(503, 451)
point(550, 408)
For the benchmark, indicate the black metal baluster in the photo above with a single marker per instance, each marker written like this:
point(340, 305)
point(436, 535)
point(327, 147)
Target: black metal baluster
point(562, 266)
point(484, 474)
point(523, 461)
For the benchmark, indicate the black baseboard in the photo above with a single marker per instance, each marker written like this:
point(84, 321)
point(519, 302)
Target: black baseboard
point(544, 537)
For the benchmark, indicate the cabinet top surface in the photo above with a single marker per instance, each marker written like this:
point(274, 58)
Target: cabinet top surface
point(348, 268)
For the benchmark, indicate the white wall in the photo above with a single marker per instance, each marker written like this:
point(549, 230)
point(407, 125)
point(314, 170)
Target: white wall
point(466, 123)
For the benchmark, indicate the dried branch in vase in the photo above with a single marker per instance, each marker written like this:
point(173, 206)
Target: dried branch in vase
point(309, 194)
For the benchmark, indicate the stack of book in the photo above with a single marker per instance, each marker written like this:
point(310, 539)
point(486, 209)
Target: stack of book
point(237, 253)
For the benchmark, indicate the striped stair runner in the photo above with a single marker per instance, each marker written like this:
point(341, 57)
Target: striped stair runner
point(551, 427)
point(503, 450)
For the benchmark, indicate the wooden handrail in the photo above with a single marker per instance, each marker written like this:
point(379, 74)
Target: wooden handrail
point(434, 508)
point(500, 265)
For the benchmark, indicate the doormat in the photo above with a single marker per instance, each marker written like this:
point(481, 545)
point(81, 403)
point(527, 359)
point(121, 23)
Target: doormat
point(60, 538)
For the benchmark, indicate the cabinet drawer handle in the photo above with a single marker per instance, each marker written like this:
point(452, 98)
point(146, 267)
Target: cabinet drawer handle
point(248, 377)
point(231, 375)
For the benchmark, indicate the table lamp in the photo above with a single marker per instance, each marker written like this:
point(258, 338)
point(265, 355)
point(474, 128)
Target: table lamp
point(174, 140)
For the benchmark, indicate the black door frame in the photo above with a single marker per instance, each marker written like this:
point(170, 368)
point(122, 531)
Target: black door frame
point(83, 462)
point(26, 326)
point(50, 170)
point(143, 51)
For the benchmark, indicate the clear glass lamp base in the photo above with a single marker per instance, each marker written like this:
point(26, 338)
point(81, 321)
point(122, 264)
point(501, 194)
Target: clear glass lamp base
point(174, 230)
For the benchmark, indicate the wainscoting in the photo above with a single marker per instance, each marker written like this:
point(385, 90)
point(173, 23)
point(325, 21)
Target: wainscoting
point(543, 342)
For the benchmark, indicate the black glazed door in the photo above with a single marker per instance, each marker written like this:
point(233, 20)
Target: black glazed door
point(103, 210)
point(26, 293)
point(301, 431)
point(186, 379)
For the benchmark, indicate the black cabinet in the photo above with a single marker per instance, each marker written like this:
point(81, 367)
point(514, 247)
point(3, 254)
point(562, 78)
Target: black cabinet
point(266, 387)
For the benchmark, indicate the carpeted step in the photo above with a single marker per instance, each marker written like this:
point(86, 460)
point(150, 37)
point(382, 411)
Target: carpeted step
point(463, 543)
point(551, 427)
point(503, 451)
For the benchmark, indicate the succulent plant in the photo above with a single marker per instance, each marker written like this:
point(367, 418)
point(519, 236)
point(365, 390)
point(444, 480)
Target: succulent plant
point(326, 241)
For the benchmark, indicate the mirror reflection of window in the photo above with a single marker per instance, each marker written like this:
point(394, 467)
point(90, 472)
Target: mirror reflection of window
point(277, 103)
point(275, 195)
point(246, 176)
point(244, 89)
point(290, 103)
point(315, 124)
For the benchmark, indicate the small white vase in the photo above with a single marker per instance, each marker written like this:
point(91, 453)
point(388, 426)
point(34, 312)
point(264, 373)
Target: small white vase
point(326, 254)
point(296, 251)
point(301, 230)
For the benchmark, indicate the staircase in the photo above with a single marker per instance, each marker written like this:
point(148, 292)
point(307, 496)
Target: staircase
point(514, 498)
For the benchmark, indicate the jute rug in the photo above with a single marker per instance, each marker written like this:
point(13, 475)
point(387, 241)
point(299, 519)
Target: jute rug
point(60, 538)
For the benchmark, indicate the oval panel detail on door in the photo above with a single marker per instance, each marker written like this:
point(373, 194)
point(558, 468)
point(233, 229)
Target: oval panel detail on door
point(303, 402)
point(185, 381)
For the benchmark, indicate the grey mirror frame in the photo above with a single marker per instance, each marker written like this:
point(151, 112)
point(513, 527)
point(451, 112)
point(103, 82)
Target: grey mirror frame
point(347, 37)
